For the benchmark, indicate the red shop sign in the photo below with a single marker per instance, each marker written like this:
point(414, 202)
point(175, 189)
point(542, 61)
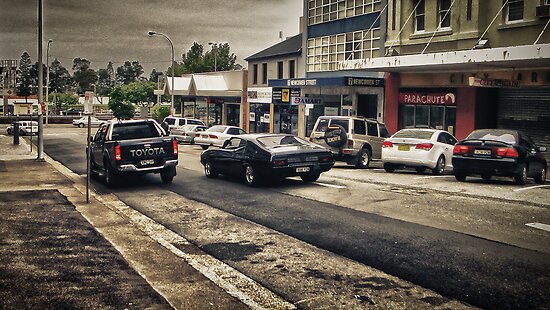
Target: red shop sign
point(428, 98)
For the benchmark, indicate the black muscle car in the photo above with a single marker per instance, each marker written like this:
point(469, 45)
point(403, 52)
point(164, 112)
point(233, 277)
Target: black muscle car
point(259, 157)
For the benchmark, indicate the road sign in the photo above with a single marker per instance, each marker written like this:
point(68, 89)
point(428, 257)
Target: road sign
point(88, 102)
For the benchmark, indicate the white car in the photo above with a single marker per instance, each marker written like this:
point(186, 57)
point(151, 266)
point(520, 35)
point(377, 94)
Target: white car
point(26, 128)
point(187, 133)
point(216, 135)
point(83, 122)
point(419, 148)
point(176, 122)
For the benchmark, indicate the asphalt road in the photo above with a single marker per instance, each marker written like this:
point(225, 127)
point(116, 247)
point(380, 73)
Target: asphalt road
point(474, 270)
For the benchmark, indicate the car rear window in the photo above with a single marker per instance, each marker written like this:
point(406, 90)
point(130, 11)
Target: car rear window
point(324, 123)
point(216, 129)
point(170, 121)
point(508, 137)
point(194, 122)
point(128, 131)
point(277, 141)
point(414, 134)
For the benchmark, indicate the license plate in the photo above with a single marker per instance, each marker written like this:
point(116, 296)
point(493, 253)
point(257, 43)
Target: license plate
point(404, 147)
point(302, 169)
point(482, 152)
point(147, 162)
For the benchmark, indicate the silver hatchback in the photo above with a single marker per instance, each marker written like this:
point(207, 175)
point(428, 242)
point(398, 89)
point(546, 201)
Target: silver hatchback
point(352, 139)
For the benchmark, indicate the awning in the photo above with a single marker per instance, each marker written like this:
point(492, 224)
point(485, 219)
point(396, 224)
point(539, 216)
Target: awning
point(213, 85)
point(182, 86)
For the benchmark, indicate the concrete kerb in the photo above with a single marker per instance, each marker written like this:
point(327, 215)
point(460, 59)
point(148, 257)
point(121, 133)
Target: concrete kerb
point(234, 283)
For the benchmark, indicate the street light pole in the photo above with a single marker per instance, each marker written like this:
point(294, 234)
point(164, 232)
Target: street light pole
point(215, 55)
point(153, 33)
point(48, 80)
point(40, 83)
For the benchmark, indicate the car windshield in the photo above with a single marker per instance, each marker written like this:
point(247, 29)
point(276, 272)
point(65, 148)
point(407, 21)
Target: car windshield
point(509, 137)
point(216, 129)
point(270, 142)
point(414, 134)
point(128, 131)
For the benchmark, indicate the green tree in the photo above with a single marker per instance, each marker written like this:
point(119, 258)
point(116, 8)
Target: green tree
point(129, 72)
point(221, 56)
point(23, 87)
point(122, 109)
point(83, 75)
point(63, 100)
point(154, 76)
point(140, 93)
point(193, 60)
point(60, 78)
point(159, 113)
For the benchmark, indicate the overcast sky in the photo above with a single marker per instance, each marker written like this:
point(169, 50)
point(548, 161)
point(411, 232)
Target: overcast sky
point(116, 30)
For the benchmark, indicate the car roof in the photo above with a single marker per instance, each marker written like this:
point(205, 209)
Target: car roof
point(350, 118)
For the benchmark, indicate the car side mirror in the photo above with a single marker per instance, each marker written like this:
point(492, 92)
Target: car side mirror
point(542, 149)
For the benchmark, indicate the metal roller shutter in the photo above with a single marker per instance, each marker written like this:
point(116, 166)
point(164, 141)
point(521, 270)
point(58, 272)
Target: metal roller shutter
point(527, 110)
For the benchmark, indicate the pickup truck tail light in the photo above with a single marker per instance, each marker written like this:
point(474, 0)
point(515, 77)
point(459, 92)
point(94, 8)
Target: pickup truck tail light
point(507, 152)
point(118, 154)
point(461, 149)
point(424, 146)
point(175, 146)
point(280, 162)
point(387, 144)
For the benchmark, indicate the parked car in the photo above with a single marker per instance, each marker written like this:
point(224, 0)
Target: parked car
point(175, 122)
point(187, 133)
point(503, 152)
point(354, 140)
point(133, 147)
point(26, 128)
point(83, 122)
point(419, 148)
point(258, 157)
point(72, 111)
point(216, 135)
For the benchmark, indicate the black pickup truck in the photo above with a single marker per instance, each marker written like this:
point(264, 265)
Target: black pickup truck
point(133, 146)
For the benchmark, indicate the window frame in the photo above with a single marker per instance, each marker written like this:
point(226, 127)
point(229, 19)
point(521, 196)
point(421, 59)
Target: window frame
point(508, 6)
point(291, 69)
point(255, 74)
point(418, 15)
point(264, 73)
point(280, 70)
point(441, 13)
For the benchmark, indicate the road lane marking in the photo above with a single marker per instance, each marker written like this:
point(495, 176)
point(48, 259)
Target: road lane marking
point(330, 185)
point(539, 226)
point(530, 187)
point(433, 176)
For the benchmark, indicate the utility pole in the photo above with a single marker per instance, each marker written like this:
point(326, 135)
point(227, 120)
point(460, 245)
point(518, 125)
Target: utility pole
point(48, 81)
point(40, 85)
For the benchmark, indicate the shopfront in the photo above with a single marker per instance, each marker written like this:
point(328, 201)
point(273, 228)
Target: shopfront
point(430, 108)
point(259, 99)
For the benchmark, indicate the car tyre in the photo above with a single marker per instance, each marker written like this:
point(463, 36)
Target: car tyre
point(111, 178)
point(205, 147)
point(21, 132)
point(209, 171)
point(81, 125)
point(310, 177)
point(363, 158)
point(93, 170)
point(439, 166)
point(166, 176)
point(460, 176)
point(9, 131)
point(389, 167)
point(541, 178)
point(251, 176)
point(521, 177)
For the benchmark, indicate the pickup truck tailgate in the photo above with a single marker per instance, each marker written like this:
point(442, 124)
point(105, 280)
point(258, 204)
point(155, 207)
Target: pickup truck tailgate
point(147, 152)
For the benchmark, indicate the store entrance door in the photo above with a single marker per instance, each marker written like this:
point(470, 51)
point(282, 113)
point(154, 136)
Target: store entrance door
point(367, 106)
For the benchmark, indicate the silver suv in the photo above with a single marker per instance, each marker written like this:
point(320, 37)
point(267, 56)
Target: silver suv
point(355, 140)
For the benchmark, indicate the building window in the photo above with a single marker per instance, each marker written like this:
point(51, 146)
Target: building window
point(324, 53)
point(264, 73)
point(469, 10)
point(255, 74)
point(321, 11)
point(445, 13)
point(419, 15)
point(280, 70)
point(291, 69)
point(515, 10)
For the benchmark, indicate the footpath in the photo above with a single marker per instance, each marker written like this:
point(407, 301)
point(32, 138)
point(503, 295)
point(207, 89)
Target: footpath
point(58, 252)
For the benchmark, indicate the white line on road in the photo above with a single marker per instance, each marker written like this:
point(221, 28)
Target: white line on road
point(433, 176)
point(539, 226)
point(530, 187)
point(330, 185)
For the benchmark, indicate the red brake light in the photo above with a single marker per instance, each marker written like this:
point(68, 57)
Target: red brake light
point(387, 144)
point(279, 162)
point(424, 146)
point(118, 155)
point(213, 136)
point(461, 149)
point(507, 152)
point(175, 146)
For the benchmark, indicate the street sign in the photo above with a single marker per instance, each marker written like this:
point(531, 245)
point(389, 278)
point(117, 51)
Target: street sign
point(88, 102)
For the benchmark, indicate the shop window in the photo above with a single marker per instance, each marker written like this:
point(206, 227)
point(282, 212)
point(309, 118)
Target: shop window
point(419, 15)
point(422, 116)
point(515, 10)
point(445, 13)
point(437, 117)
point(359, 127)
point(280, 70)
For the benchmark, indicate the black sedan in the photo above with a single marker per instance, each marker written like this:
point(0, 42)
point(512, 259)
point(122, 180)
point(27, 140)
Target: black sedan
point(258, 157)
point(489, 152)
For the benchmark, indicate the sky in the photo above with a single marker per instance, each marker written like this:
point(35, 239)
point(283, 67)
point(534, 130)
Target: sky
point(116, 30)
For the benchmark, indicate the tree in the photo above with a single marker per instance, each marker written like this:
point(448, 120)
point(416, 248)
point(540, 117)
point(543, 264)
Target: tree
point(140, 93)
point(154, 76)
point(122, 109)
point(129, 72)
point(193, 60)
point(84, 76)
point(60, 78)
point(34, 77)
point(222, 58)
point(23, 87)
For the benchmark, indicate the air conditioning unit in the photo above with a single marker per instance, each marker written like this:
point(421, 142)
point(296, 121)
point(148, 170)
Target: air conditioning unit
point(543, 11)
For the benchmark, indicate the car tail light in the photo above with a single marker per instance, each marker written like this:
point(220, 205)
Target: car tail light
point(175, 146)
point(507, 152)
point(279, 162)
point(461, 149)
point(213, 136)
point(424, 146)
point(387, 144)
point(118, 155)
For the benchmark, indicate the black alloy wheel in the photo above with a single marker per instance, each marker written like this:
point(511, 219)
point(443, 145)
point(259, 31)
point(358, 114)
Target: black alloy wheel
point(389, 167)
point(363, 158)
point(521, 177)
point(440, 166)
point(110, 176)
point(310, 177)
point(541, 178)
point(209, 171)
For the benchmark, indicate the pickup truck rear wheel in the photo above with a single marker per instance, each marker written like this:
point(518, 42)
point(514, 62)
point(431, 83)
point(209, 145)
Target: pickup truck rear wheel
point(310, 177)
point(166, 178)
point(110, 176)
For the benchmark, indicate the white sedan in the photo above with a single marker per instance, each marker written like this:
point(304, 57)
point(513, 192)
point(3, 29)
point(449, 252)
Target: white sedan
point(83, 122)
point(216, 135)
point(419, 148)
